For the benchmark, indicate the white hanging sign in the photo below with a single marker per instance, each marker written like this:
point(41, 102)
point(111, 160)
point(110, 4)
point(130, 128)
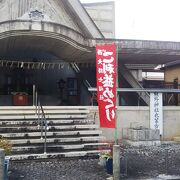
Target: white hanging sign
point(156, 111)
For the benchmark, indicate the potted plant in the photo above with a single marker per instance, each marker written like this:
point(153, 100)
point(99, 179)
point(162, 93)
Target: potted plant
point(106, 160)
point(103, 156)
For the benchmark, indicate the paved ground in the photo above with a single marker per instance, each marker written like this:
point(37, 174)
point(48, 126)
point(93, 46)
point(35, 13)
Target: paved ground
point(136, 163)
point(69, 169)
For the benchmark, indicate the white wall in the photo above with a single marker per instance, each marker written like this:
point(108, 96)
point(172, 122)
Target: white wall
point(127, 115)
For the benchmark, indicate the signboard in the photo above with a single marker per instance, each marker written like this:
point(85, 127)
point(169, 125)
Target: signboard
point(106, 84)
point(156, 111)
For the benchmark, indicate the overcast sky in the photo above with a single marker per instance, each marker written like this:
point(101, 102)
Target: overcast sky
point(147, 19)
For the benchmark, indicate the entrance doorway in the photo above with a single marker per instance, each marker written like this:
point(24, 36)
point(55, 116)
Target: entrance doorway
point(54, 86)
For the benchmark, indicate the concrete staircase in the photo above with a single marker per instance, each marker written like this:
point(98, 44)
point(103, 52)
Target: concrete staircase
point(134, 83)
point(70, 132)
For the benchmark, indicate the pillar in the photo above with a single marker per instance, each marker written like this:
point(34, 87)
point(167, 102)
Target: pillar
point(116, 162)
point(2, 157)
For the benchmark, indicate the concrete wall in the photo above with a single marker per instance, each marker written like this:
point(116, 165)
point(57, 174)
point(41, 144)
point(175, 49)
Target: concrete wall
point(128, 115)
point(103, 14)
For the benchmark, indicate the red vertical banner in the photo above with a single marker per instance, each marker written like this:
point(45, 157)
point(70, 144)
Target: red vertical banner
point(106, 84)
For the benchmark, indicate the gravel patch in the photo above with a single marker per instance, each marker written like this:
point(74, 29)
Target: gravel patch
point(57, 169)
point(150, 161)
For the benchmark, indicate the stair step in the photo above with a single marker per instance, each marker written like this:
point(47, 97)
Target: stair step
point(44, 107)
point(52, 122)
point(26, 148)
point(50, 128)
point(50, 149)
point(56, 140)
point(38, 134)
point(25, 117)
point(63, 146)
point(56, 155)
point(46, 111)
point(57, 148)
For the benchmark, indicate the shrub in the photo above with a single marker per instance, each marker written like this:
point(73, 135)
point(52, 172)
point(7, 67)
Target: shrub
point(6, 145)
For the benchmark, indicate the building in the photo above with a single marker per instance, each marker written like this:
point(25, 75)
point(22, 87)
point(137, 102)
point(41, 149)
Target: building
point(46, 44)
point(171, 80)
point(47, 49)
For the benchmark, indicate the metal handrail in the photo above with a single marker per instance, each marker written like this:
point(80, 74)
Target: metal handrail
point(93, 93)
point(42, 120)
point(44, 123)
point(38, 113)
point(150, 90)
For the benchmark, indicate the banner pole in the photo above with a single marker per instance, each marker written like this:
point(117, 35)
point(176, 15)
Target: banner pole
point(116, 147)
point(117, 99)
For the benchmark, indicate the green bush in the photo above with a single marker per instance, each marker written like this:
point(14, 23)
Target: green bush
point(6, 145)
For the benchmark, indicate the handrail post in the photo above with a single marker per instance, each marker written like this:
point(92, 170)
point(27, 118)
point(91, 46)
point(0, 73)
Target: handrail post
point(92, 100)
point(45, 138)
point(38, 115)
point(36, 100)
point(45, 129)
point(41, 125)
point(34, 89)
point(41, 117)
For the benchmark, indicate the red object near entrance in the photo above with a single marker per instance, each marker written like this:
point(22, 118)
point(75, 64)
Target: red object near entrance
point(20, 99)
